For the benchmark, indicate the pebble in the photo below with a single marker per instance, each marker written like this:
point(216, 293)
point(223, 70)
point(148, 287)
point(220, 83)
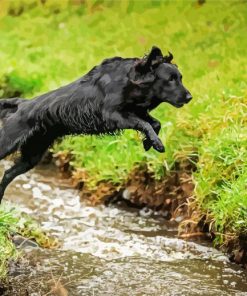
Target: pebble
point(26, 186)
point(146, 212)
point(178, 219)
point(126, 194)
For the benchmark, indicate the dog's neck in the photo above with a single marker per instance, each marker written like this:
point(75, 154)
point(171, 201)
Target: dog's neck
point(143, 98)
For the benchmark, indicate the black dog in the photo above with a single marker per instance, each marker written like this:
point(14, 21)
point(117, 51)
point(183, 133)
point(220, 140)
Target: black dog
point(118, 94)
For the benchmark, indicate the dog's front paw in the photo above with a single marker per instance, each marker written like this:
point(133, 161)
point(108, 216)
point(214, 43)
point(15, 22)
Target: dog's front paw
point(158, 145)
point(147, 144)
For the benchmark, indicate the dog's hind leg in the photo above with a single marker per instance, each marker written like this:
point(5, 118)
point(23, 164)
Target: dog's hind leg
point(11, 135)
point(31, 154)
point(19, 168)
point(6, 147)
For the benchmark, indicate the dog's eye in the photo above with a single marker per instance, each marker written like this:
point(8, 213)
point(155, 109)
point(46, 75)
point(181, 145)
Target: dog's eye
point(173, 77)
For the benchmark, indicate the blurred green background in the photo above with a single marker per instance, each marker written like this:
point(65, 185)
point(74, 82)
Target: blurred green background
point(48, 43)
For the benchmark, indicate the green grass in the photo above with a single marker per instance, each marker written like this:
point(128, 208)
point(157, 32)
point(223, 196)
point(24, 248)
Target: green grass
point(46, 47)
point(8, 223)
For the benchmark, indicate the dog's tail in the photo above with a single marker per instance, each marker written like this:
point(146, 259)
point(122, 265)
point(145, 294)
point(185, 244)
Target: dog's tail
point(9, 134)
point(13, 130)
point(9, 106)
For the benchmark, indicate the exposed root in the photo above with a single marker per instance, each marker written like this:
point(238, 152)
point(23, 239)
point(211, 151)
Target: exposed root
point(193, 234)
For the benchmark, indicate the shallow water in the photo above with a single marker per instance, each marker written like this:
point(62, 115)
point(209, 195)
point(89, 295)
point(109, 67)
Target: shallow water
point(110, 250)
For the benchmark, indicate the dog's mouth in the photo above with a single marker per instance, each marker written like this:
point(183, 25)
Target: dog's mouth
point(178, 105)
point(175, 104)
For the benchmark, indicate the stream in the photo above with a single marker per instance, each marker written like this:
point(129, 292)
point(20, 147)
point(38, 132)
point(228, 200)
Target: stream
point(110, 250)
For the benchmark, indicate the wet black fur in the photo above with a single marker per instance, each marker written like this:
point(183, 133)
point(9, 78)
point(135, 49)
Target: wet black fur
point(115, 95)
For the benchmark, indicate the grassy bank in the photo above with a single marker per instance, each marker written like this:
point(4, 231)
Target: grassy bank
point(46, 46)
point(15, 223)
point(8, 224)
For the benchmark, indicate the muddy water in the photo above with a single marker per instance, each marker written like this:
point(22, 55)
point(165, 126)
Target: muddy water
point(111, 251)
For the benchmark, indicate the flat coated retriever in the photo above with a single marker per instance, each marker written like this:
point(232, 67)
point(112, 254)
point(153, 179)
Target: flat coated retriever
point(115, 95)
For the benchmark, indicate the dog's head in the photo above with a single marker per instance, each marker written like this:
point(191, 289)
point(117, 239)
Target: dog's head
point(161, 77)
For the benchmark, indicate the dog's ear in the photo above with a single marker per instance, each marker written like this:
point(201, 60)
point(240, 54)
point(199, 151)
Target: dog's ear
point(168, 59)
point(154, 57)
point(142, 72)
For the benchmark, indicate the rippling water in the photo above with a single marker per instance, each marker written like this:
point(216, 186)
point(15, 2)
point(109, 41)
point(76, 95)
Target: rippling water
point(111, 251)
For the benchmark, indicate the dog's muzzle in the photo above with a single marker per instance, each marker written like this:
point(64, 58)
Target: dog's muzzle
point(188, 98)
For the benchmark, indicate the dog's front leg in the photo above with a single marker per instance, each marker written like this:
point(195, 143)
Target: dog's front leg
point(155, 125)
point(131, 121)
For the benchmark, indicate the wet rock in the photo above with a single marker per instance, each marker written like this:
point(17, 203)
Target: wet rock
point(179, 219)
point(126, 194)
point(146, 212)
point(22, 242)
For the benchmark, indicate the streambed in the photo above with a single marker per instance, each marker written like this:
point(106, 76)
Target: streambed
point(110, 250)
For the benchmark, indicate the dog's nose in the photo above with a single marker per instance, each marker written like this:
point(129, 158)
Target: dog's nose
point(188, 97)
